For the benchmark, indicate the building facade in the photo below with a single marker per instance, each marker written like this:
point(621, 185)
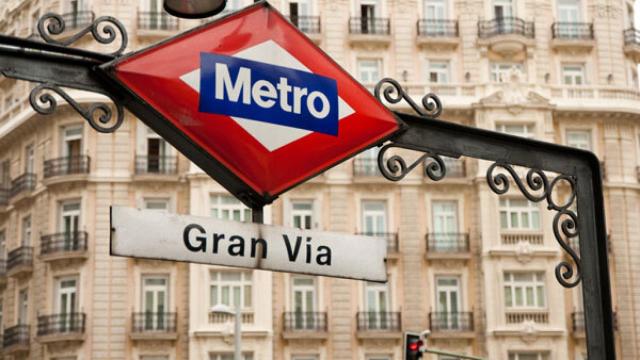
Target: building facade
point(474, 268)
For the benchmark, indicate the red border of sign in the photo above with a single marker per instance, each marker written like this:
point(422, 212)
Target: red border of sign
point(217, 168)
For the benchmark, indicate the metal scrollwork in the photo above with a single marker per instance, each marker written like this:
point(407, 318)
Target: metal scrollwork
point(394, 93)
point(104, 30)
point(565, 221)
point(395, 168)
point(99, 115)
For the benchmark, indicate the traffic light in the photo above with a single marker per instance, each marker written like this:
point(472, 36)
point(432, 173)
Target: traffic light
point(412, 346)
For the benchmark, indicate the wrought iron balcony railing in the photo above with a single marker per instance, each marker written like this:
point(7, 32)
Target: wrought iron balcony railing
point(632, 37)
point(24, 182)
point(20, 256)
point(78, 19)
point(364, 166)
point(391, 237)
point(16, 335)
point(61, 324)
point(306, 24)
point(379, 321)
point(4, 196)
point(441, 242)
point(67, 165)
point(305, 321)
point(63, 242)
point(451, 321)
point(438, 28)
point(505, 26)
point(149, 164)
point(147, 322)
point(572, 31)
point(157, 21)
point(370, 26)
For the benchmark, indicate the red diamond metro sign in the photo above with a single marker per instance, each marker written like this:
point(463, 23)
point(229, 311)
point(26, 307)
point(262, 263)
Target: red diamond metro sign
point(253, 102)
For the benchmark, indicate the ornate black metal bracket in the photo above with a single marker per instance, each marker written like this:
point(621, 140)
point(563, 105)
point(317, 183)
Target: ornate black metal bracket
point(44, 103)
point(103, 29)
point(395, 167)
point(394, 93)
point(565, 221)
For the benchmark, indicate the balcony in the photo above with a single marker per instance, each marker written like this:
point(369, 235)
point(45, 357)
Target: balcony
point(20, 261)
point(150, 165)
point(518, 317)
point(513, 238)
point(447, 246)
point(22, 184)
point(65, 245)
point(364, 30)
point(310, 25)
point(391, 238)
point(506, 35)
point(366, 167)
point(15, 340)
point(451, 325)
point(153, 326)
point(61, 327)
point(438, 33)
point(68, 165)
point(572, 36)
point(156, 23)
point(78, 19)
point(379, 325)
point(305, 325)
point(632, 43)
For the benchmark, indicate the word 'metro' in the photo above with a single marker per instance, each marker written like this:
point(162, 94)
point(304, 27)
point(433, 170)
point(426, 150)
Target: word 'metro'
point(270, 93)
point(299, 248)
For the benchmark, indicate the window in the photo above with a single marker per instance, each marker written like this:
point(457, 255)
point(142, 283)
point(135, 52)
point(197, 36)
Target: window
point(448, 302)
point(569, 13)
point(5, 176)
point(500, 72)
point(503, 9)
point(155, 302)
point(580, 139)
point(434, 9)
point(376, 303)
point(438, 72)
point(26, 231)
point(23, 307)
point(29, 159)
point(519, 214)
point(227, 207)
point(528, 356)
point(524, 130)
point(304, 301)
point(302, 214)
point(157, 153)
point(229, 356)
point(374, 217)
point(231, 288)
point(72, 141)
point(445, 224)
point(524, 290)
point(66, 303)
point(573, 75)
point(369, 71)
point(69, 217)
point(158, 204)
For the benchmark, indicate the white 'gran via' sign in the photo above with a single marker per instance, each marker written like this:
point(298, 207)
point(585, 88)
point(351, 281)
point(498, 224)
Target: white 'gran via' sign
point(156, 235)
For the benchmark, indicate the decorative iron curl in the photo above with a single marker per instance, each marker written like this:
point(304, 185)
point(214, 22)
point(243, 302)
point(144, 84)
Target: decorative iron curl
point(394, 93)
point(565, 221)
point(98, 115)
point(395, 167)
point(103, 29)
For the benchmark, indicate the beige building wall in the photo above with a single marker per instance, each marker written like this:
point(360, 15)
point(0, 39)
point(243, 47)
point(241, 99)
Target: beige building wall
point(532, 97)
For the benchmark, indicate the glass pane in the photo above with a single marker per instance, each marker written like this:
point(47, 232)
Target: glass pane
point(214, 295)
point(225, 296)
point(518, 291)
point(236, 296)
point(540, 296)
point(508, 301)
point(247, 296)
point(530, 299)
point(514, 220)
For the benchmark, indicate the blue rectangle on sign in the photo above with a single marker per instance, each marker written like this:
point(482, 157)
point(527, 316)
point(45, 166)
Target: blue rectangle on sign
point(270, 93)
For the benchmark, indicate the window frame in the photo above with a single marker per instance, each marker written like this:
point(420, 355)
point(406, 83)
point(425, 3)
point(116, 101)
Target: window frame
point(242, 284)
point(538, 281)
point(505, 206)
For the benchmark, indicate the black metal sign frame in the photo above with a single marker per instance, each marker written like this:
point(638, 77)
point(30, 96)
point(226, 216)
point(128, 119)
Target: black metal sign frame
point(56, 66)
